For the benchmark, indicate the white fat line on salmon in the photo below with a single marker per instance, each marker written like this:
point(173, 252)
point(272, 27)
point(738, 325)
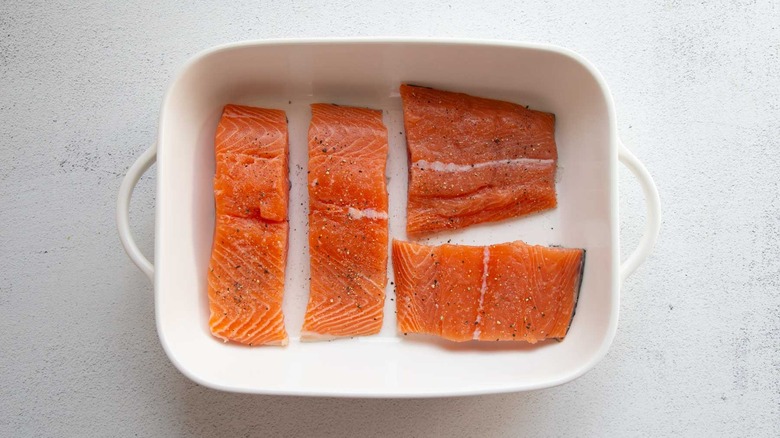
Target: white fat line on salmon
point(439, 166)
point(369, 213)
point(372, 282)
point(485, 260)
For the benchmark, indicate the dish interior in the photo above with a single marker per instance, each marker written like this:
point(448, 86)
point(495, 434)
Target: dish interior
point(290, 76)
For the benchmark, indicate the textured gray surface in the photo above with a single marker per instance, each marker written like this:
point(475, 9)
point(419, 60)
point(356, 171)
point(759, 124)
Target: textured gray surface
point(696, 89)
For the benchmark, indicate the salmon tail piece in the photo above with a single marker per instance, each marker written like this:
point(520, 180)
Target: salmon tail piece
point(474, 160)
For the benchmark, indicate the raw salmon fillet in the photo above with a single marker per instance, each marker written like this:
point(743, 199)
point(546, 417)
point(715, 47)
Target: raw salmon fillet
point(505, 292)
point(474, 160)
point(246, 271)
point(347, 222)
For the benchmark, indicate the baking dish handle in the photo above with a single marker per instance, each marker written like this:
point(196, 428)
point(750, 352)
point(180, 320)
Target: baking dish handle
point(134, 173)
point(653, 202)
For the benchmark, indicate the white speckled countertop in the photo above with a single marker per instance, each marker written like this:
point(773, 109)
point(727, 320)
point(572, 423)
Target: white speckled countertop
point(697, 91)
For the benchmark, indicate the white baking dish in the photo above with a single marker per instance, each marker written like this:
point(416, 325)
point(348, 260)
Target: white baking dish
point(292, 74)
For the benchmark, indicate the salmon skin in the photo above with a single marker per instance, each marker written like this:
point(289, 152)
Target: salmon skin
point(248, 258)
point(347, 222)
point(505, 292)
point(474, 160)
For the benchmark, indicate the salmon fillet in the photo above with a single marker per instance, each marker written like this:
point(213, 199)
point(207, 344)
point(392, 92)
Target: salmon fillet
point(347, 222)
point(248, 258)
point(475, 160)
point(505, 292)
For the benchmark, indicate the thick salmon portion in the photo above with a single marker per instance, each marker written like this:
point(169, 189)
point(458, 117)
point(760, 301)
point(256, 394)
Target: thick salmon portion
point(474, 160)
point(437, 288)
point(505, 292)
point(246, 281)
point(347, 222)
point(530, 292)
point(252, 171)
point(246, 271)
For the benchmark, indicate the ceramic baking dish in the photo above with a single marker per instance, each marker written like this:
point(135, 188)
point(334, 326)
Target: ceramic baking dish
point(290, 75)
